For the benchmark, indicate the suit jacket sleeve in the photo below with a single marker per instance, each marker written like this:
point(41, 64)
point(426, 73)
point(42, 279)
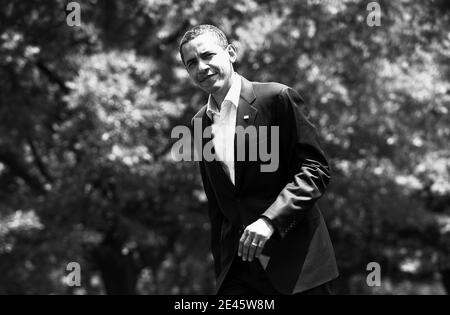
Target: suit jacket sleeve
point(309, 172)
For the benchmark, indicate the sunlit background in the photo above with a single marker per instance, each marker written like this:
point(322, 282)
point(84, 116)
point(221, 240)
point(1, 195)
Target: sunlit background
point(86, 114)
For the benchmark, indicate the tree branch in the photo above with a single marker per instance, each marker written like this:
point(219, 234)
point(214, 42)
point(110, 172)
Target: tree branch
point(174, 35)
point(185, 116)
point(18, 168)
point(38, 161)
point(52, 76)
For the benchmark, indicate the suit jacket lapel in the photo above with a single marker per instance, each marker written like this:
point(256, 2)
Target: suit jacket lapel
point(213, 168)
point(246, 114)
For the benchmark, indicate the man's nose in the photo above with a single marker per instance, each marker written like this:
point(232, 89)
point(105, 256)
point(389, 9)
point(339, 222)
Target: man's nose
point(203, 66)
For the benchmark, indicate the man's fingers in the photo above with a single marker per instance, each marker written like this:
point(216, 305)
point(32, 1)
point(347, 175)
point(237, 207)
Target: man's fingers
point(260, 248)
point(253, 247)
point(241, 243)
point(246, 246)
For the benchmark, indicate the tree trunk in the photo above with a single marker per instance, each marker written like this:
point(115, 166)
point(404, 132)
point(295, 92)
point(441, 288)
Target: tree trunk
point(119, 270)
point(445, 274)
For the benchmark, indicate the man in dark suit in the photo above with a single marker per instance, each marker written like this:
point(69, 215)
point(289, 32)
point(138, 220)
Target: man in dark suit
point(267, 235)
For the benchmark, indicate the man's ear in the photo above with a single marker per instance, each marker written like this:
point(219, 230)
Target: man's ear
point(232, 52)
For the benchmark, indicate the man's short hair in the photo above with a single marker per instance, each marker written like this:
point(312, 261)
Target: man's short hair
point(198, 30)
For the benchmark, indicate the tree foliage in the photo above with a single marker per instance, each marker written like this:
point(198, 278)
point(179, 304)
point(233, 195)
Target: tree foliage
point(86, 115)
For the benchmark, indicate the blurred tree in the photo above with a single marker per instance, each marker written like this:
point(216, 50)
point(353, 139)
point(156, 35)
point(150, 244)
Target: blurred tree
point(86, 114)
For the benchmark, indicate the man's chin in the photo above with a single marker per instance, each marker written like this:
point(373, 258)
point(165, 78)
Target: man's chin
point(210, 89)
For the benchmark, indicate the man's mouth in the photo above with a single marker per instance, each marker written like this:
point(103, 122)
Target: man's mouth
point(206, 78)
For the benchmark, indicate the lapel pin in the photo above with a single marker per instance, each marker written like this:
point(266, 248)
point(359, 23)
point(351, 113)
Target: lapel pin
point(246, 117)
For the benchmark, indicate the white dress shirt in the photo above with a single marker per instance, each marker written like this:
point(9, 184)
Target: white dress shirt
point(224, 125)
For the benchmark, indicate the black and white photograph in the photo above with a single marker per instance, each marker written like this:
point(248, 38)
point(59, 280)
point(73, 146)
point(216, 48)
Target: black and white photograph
point(225, 154)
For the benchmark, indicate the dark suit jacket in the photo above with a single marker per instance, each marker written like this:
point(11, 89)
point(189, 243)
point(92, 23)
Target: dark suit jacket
point(299, 255)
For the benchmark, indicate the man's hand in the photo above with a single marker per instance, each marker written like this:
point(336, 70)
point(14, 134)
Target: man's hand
point(254, 238)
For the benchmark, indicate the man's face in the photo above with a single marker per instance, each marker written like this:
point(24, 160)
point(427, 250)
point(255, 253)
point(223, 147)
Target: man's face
point(208, 64)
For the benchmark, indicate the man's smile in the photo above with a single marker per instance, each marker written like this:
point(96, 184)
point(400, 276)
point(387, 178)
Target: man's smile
point(203, 79)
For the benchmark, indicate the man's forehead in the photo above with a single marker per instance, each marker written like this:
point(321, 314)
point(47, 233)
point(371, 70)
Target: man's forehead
point(201, 43)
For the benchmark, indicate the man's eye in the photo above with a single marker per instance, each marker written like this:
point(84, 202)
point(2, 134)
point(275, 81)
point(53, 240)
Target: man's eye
point(207, 56)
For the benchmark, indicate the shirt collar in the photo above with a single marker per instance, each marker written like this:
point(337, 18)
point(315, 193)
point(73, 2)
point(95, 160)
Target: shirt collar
point(232, 96)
